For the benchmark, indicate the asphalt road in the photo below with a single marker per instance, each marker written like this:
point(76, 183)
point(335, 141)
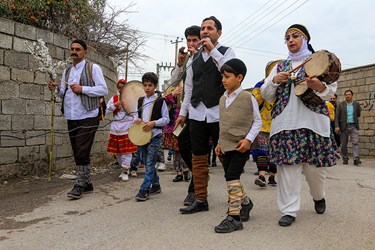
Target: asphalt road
point(42, 217)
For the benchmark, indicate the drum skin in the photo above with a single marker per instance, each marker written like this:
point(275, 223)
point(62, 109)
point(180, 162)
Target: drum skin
point(137, 136)
point(129, 96)
point(324, 65)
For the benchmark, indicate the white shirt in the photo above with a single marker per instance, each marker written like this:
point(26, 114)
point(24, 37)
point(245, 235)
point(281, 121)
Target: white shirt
point(121, 122)
point(296, 115)
point(201, 112)
point(146, 114)
point(257, 120)
point(73, 107)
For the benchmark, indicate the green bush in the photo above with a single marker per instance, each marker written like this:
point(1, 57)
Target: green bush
point(67, 17)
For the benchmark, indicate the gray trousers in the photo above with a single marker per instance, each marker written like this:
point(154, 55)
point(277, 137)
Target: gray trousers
point(351, 131)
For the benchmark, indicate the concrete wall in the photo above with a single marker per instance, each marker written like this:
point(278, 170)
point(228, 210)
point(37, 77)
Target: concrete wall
point(25, 106)
point(361, 81)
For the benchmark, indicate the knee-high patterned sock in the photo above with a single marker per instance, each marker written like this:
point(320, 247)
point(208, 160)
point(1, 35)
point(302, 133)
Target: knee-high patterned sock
point(80, 175)
point(262, 163)
point(86, 169)
point(235, 196)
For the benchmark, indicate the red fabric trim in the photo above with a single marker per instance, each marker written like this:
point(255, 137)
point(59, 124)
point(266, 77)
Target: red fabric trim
point(115, 99)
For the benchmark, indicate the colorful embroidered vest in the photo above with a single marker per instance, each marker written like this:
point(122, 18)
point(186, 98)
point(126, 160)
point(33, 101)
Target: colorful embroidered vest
point(283, 92)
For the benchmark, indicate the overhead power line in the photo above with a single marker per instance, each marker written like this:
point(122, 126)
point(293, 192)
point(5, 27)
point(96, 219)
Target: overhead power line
point(273, 23)
point(266, 22)
point(254, 21)
point(227, 34)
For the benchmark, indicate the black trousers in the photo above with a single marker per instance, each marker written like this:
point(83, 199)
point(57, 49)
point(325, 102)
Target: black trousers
point(184, 144)
point(234, 162)
point(201, 132)
point(81, 135)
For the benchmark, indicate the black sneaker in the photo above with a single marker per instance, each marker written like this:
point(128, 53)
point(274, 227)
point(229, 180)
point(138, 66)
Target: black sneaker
point(155, 189)
point(357, 161)
point(260, 181)
point(76, 192)
point(178, 178)
point(345, 162)
point(187, 176)
point(271, 180)
point(88, 187)
point(245, 211)
point(190, 198)
point(141, 196)
point(228, 225)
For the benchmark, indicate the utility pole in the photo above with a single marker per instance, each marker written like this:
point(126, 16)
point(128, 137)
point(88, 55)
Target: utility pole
point(177, 41)
point(126, 61)
point(163, 66)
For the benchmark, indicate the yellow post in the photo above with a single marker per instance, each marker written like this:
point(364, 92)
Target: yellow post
point(51, 139)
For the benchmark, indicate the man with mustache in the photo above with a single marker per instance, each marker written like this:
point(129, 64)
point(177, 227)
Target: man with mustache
point(83, 85)
point(203, 89)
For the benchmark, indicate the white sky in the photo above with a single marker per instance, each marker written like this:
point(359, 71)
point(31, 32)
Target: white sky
point(255, 29)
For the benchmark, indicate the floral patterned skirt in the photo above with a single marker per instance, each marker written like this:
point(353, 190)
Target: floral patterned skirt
point(170, 141)
point(292, 147)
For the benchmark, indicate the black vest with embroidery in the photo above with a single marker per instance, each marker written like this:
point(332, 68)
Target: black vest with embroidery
point(207, 85)
point(156, 109)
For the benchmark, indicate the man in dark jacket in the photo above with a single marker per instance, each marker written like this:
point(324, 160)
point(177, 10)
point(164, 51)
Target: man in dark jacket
point(347, 123)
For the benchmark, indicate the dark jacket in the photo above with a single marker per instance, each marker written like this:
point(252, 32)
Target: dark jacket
point(341, 116)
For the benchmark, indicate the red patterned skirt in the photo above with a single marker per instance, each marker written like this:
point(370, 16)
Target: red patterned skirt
point(120, 144)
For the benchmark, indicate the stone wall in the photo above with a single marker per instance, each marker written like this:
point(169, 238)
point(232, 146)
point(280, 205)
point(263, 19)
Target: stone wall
point(361, 81)
point(25, 106)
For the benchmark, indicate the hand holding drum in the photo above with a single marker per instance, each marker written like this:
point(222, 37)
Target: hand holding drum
point(138, 136)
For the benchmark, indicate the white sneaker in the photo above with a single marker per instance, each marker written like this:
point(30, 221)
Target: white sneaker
point(161, 166)
point(133, 173)
point(120, 176)
point(125, 177)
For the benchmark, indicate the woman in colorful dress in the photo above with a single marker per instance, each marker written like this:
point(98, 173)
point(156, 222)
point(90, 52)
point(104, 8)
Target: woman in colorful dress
point(300, 133)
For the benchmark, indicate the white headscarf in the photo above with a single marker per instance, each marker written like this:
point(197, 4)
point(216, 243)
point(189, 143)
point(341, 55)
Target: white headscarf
point(303, 52)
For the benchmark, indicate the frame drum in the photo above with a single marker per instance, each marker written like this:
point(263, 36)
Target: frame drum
point(137, 136)
point(324, 65)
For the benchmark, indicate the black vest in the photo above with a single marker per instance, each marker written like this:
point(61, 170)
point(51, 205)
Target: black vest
point(207, 85)
point(156, 109)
